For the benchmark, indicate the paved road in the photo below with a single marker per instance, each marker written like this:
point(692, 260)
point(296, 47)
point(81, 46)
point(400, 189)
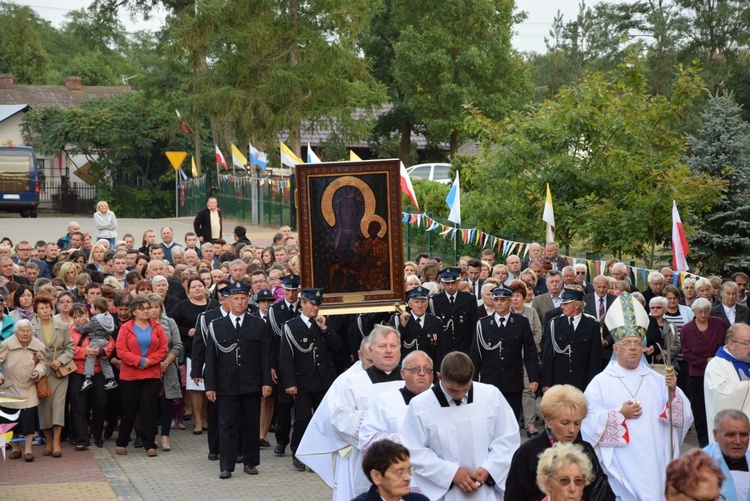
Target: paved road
point(52, 228)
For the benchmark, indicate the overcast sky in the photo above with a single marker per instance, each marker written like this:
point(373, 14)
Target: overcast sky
point(529, 35)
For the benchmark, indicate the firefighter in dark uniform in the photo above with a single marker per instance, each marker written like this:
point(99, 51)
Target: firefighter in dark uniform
point(573, 351)
point(199, 358)
point(420, 329)
point(457, 310)
point(264, 299)
point(278, 314)
point(306, 362)
point(503, 344)
point(237, 374)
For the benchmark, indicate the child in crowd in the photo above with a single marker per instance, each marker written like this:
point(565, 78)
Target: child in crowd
point(99, 329)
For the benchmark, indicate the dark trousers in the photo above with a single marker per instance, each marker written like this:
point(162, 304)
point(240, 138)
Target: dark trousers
point(283, 407)
point(699, 409)
point(304, 406)
point(683, 379)
point(514, 400)
point(139, 397)
point(212, 418)
point(239, 416)
point(80, 402)
point(114, 405)
point(167, 414)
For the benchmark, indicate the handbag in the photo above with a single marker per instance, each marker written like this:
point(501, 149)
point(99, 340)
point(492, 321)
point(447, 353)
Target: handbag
point(66, 369)
point(43, 389)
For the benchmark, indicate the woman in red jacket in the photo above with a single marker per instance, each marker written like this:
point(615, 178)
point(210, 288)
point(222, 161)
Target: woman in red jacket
point(141, 346)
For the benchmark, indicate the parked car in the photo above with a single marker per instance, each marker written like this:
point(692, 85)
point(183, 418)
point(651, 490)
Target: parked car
point(439, 173)
point(19, 180)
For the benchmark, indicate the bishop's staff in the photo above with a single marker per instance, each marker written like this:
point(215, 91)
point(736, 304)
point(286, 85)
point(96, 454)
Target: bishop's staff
point(671, 336)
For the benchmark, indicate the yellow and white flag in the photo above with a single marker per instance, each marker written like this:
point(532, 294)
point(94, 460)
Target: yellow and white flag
point(238, 159)
point(549, 216)
point(288, 157)
point(195, 169)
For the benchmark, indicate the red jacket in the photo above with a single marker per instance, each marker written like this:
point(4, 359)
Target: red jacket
point(80, 351)
point(129, 352)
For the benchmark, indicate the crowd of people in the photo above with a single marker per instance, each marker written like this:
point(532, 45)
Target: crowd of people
point(103, 337)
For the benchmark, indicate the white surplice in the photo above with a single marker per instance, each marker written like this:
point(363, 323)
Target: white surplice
point(483, 433)
point(634, 452)
point(320, 445)
point(383, 419)
point(724, 389)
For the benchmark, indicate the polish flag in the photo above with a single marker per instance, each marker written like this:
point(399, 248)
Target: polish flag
point(220, 158)
point(680, 247)
point(406, 186)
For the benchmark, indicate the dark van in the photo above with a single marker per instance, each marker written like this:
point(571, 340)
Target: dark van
point(19, 180)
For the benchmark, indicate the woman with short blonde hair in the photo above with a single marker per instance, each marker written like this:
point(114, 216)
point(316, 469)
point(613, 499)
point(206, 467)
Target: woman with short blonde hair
point(563, 472)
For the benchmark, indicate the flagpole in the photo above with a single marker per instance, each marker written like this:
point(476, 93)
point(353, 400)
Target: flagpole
point(176, 194)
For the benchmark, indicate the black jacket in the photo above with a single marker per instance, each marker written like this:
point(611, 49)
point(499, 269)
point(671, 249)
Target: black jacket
point(592, 304)
point(306, 359)
point(198, 355)
point(459, 321)
point(429, 337)
point(245, 368)
point(202, 225)
point(585, 358)
point(373, 495)
point(521, 483)
point(503, 367)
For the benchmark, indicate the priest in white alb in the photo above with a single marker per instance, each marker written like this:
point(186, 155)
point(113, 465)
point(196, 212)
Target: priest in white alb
point(461, 436)
point(387, 411)
point(633, 429)
point(320, 446)
point(727, 379)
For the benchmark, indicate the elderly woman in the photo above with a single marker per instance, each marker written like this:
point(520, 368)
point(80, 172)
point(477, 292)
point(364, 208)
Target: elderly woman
point(677, 315)
point(692, 477)
point(412, 282)
point(106, 223)
point(56, 339)
point(23, 300)
point(141, 347)
point(500, 272)
point(169, 368)
point(65, 303)
point(142, 288)
point(688, 291)
point(563, 407)
point(700, 338)
point(96, 397)
point(704, 289)
point(161, 287)
point(487, 304)
point(23, 359)
point(486, 269)
point(564, 471)
point(518, 305)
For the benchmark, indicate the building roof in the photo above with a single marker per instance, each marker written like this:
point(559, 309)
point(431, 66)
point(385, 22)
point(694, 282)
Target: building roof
point(58, 96)
point(8, 110)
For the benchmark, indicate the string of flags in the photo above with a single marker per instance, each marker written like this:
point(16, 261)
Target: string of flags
point(506, 247)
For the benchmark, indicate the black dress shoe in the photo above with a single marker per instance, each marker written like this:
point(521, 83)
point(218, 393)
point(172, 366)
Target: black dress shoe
point(137, 442)
point(264, 443)
point(298, 465)
point(225, 474)
point(251, 470)
point(99, 443)
point(213, 457)
point(279, 450)
point(272, 428)
point(108, 433)
point(238, 459)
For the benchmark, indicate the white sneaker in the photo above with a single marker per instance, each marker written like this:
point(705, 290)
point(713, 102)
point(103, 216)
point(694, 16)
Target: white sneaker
point(87, 384)
point(110, 385)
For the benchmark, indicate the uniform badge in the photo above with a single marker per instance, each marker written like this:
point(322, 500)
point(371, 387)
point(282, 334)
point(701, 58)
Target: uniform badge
point(304, 339)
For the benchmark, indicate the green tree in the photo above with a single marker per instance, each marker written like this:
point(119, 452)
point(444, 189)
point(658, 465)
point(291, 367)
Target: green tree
point(21, 51)
point(611, 154)
point(721, 149)
point(451, 54)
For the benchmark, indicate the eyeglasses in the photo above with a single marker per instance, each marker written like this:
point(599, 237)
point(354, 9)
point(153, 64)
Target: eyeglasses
point(656, 307)
point(417, 370)
point(719, 498)
point(743, 343)
point(403, 472)
point(24, 250)
point(565, 481)
point(632, 344)
point(580, 272)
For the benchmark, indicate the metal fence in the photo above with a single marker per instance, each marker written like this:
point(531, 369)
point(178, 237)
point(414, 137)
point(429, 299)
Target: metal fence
point(64, 197)
point(259, 200)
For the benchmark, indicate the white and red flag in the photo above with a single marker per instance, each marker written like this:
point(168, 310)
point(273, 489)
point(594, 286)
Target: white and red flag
point(680, 247)
point(220, 158)
point(406, 186)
